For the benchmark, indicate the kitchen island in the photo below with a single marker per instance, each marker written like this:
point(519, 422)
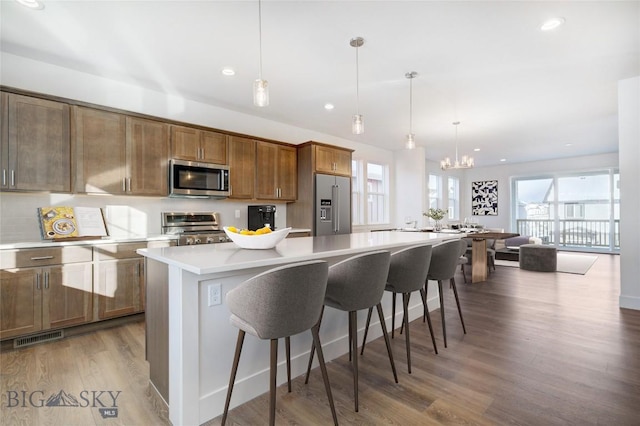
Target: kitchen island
point(190, 341)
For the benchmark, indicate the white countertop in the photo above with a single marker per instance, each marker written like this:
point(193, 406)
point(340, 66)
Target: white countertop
point(91, 242)
point(216, 258)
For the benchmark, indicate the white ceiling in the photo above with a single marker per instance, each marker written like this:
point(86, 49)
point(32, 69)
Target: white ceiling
point(519, 93)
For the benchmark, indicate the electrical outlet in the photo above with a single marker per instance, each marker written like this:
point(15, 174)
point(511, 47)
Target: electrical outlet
point(237, 214)
point(215, 294)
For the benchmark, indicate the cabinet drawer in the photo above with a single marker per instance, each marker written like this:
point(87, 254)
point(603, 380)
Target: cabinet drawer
point(26, 258)
point(118, 251)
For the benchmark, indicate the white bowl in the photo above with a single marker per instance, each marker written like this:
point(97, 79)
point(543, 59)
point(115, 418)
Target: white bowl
point(258, 242)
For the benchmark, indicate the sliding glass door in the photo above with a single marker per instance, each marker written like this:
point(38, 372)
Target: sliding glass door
point(570, 211)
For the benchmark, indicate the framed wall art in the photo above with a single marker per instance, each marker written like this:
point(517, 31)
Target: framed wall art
point(484, 198)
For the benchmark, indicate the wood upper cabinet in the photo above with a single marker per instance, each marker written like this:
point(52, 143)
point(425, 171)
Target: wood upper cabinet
point(242, 167)
point(100, 147)
point(332, 160)
point(117, 154)
point(36, 146)
point(276, 171)
point(198, 145)
point(147, 157)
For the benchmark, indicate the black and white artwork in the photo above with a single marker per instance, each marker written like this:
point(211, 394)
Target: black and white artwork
point(484, 198)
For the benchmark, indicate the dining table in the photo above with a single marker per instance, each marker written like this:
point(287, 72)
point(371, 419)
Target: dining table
point(479, 252)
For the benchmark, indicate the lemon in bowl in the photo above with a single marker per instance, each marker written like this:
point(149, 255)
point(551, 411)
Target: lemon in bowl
point(263, 238)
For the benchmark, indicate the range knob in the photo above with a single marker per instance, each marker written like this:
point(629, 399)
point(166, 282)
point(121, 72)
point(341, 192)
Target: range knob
point(189, 241)
point(210, 240)
point(196, 240)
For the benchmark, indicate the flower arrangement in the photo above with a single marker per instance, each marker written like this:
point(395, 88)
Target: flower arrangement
point(435, 214)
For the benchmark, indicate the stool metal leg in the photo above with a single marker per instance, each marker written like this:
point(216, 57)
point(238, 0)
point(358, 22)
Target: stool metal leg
point(393, 314)
point(323, 368)
point(405, 307)
point(353, 336)
point(366, 330)
point(386, 340)
point(232, 379)
point(444, 328)
point(423, 293)
point(273, 370)
point(313, 350)
point(455, 293)
point(287, 344)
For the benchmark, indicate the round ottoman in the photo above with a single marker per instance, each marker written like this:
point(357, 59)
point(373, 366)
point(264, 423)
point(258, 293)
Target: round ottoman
point(538, 257)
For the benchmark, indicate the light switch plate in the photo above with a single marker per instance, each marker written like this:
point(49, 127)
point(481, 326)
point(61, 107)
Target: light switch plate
point(215, 294)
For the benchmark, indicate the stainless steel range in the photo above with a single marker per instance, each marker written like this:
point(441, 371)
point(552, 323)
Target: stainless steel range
point(194, 228)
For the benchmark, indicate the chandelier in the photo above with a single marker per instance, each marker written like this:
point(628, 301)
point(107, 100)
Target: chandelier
point(465, 162)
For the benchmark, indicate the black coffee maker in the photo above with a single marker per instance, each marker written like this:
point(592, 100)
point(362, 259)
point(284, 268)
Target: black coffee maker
point(261, 216)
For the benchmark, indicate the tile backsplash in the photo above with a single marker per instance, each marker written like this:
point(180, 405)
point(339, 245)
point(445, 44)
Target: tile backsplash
point(125, 216)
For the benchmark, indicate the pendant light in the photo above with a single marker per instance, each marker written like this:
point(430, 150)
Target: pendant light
point(260, 86)
point(411, 143)
point(465, 163)
point(357, 123)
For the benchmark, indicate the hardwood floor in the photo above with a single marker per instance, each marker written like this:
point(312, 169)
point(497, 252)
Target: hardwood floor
point(541, 349)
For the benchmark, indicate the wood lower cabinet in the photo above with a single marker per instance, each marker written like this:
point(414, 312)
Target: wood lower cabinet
point(36, 148)
point(118, 280)
point(192, 144)
point(37, 299)
point(242, 167)
point(276, 172)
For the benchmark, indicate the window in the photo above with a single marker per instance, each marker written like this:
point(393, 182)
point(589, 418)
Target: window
point(370, 184)
point(454, 198)
point(435, 191)
point(573, 211)
point(357, 212)
point(377, 206)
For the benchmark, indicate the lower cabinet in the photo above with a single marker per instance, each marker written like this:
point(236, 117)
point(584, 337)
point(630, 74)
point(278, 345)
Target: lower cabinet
point(37, 299)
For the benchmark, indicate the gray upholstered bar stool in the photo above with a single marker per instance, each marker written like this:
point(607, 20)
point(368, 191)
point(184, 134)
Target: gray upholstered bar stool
point(279, 303)
point(354, 284)
point(444, 262)
point(407, 273)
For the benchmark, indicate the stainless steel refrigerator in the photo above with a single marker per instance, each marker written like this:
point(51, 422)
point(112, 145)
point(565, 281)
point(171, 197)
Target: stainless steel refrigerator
point(332, 205)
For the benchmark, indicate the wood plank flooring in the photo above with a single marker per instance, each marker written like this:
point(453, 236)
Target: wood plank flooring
point(541, 349)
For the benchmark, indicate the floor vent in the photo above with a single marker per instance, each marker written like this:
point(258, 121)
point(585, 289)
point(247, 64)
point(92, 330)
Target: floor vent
point(39, 338)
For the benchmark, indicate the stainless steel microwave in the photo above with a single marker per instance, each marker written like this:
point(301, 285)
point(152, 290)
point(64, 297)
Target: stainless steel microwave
point(196, 179)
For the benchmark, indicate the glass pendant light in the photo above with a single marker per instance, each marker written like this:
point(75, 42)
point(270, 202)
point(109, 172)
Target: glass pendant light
point(411, 143)
point(357, 123)
point(260, 86)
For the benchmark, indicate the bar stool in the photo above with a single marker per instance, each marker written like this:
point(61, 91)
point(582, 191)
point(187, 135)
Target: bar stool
point(444, 262)
point(279, 303)
point(407, 273)
point(354, 284)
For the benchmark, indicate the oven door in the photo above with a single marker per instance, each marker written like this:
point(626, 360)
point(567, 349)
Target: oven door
point(194, 179)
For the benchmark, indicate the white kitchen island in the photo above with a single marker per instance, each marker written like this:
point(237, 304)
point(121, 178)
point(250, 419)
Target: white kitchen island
point(200, 342)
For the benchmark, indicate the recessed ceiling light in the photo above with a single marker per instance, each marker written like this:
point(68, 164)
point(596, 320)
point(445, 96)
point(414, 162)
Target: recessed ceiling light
point(502, 160)
point(568, 144)
point(328, 106)
point(552, 23)
point(31, 4)
point(476, 149)
point(228, 71)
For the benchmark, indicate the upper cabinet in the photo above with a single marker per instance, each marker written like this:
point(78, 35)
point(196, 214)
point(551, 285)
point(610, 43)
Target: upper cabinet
point(332, 160)
point(36, 152)
point(117, 154)
point(276, 171)
point(192, 144)
point(242, 167)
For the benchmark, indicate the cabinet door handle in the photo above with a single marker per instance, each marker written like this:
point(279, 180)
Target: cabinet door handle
point(128, 184)
point(13, 178)
point(37, 281)
point(42, 257)
point(124, 184)
point(4, 177)
point(46, 280)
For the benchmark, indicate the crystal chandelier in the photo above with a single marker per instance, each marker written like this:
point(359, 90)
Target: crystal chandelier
point(357, 123)
point(411, 142)
point(260, 86)
point(465, 162)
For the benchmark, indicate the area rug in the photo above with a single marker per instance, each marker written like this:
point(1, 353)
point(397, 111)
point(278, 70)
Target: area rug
point(569, 263)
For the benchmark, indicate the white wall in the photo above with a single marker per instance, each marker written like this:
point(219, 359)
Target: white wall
point(18, 211)
point(629, 150)
point(410, 187)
